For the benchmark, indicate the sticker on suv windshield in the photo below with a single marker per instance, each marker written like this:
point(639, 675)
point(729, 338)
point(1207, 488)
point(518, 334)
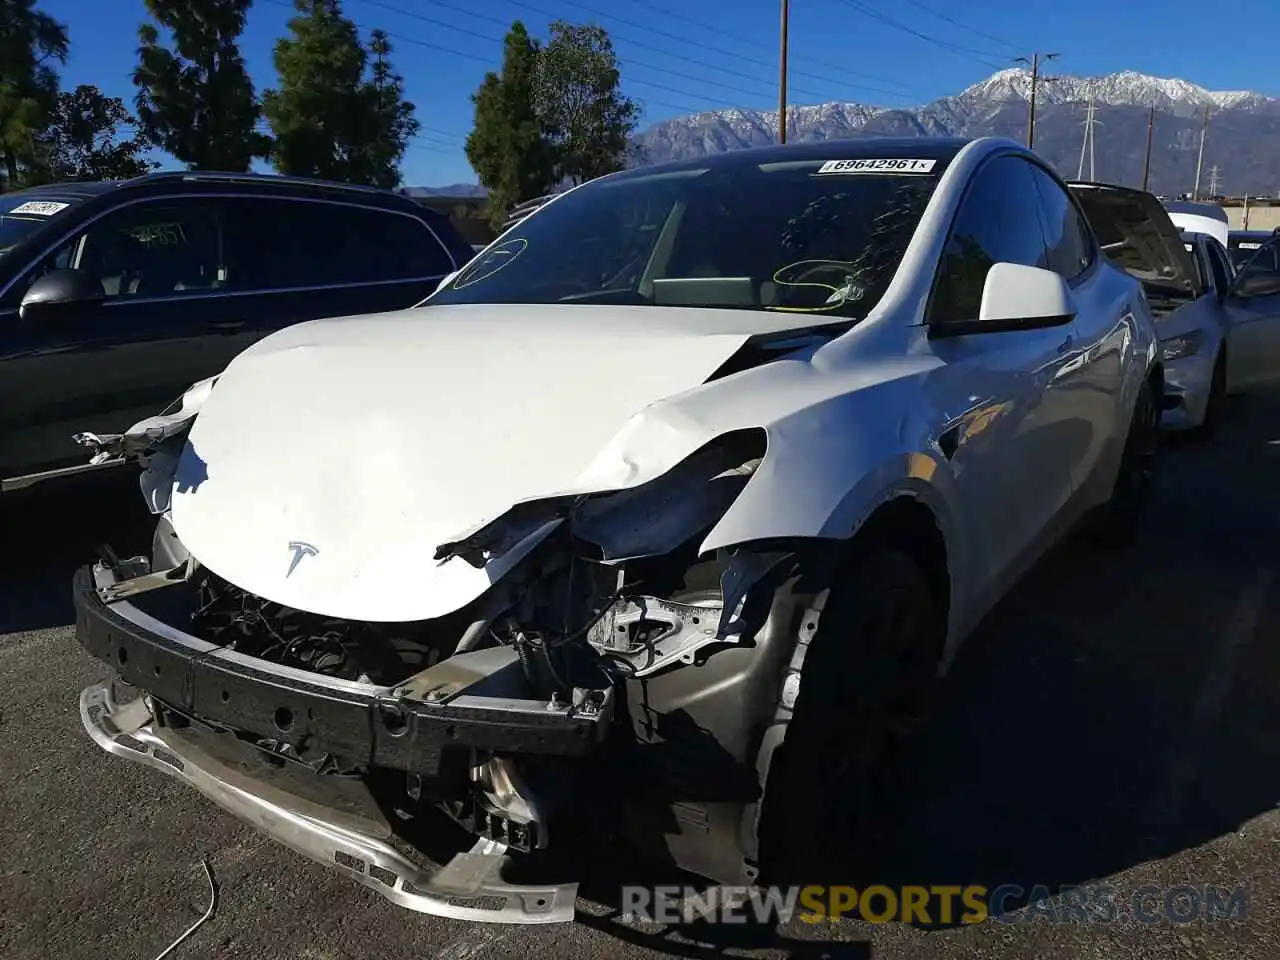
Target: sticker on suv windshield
point(877, 166)
point(41, 208)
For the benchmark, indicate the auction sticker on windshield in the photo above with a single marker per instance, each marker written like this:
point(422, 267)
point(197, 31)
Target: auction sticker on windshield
point(877, 166)
point(40, 208)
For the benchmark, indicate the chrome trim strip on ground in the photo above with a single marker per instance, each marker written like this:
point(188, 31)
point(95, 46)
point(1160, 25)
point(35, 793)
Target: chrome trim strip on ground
point(469, 887)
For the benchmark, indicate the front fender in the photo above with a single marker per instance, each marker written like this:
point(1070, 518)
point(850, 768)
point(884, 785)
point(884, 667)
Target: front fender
point(829, 466)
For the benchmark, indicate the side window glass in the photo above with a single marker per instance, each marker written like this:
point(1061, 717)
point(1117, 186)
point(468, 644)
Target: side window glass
point(998, 222)
point(285, 244)
point(161, 249)
point(1260, 276)
point(1066, 232)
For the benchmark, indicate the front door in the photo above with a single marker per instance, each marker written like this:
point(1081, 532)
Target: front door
point(1000, 397)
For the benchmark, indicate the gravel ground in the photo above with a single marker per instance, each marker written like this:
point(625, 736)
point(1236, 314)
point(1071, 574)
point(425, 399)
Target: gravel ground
point(1117, 722)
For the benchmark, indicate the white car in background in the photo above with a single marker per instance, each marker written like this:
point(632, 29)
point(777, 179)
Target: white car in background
point(674, 501)
point(1208, 219)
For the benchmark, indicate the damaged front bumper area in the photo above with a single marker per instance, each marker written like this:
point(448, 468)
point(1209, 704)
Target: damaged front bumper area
point(210, 715)
point(355, 839)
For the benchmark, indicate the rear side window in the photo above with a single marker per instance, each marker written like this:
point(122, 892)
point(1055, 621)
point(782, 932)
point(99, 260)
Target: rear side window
point(279, 244)
point(1066, 232)
point(998, 222)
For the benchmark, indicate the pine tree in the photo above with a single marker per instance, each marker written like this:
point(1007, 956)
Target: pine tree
point(197, 101)
point(506, 147)
point(339, 112)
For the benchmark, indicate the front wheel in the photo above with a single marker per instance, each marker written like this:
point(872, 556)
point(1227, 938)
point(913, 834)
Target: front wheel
point(865, 687)
point(1120, 518)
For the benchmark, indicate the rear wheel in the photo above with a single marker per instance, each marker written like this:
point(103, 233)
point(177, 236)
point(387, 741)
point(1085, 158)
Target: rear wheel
point(864, 693)
point(1120, 518)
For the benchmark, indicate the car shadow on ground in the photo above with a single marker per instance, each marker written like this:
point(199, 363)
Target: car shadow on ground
point(46, 532)
point(1117, 708)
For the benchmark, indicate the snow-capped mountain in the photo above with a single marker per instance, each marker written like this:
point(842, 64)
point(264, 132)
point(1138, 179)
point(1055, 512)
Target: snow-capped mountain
point(1244, 139)
point(1124, 89)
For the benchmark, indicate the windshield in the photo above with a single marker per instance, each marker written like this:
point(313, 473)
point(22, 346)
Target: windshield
point(20, 216)
point(778, 236)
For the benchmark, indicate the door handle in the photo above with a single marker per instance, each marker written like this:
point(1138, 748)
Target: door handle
point(227, 326)
point(1065, 345)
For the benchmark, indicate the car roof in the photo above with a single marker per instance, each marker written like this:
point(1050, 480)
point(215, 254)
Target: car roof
point(940, 149)
point(72, 189)
point(189, 179)
point(182, 181)
point(1211, 210)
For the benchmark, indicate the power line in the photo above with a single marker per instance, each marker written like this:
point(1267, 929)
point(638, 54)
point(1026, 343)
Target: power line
point(631, 62)
point(699, 43)
point(963, 26)
point(489, 62)
point(739, 38)
point(664, 51)
point(973, 54)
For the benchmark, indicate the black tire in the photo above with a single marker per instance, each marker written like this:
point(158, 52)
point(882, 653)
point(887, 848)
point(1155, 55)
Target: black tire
point(1120, 519)
point(1215, 407)
point(867, 680)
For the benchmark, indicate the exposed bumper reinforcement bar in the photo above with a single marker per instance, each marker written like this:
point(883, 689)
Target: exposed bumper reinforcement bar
point(468, 700)
point(469, 887)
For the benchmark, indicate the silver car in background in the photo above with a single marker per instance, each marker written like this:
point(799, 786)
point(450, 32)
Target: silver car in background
point(1195, 298)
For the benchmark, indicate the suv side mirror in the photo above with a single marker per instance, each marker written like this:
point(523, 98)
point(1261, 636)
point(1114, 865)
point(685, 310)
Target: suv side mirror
point(61, 293)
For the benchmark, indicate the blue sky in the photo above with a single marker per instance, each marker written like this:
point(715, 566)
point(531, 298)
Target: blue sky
point(682, 56)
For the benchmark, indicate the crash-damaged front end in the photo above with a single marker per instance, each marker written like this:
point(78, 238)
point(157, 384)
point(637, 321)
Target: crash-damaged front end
point(615, 672)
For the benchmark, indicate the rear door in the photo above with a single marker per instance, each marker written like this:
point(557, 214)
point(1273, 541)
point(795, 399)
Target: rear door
point(1090, 383)
point(1253, 312)
point(161, 265)
point(303, 259)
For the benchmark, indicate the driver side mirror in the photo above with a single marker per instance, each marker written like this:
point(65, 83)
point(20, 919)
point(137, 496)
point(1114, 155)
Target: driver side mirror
point(1016, 297)
point(62, 293)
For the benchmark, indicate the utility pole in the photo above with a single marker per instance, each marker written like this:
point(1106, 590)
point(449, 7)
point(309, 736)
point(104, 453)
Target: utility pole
point(1213, 181)
point(1204, 129)
point(1146, 164)
point(782, 75)
point(1034, 64)
point(1090, 121)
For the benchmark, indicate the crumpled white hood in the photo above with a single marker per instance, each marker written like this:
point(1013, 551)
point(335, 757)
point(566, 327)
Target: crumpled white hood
point(372, 440)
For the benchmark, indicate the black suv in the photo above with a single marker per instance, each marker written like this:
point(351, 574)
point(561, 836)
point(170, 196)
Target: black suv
point(115, 297)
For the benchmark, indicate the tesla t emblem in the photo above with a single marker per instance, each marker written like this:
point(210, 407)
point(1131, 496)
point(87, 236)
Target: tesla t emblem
point(300, 549)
